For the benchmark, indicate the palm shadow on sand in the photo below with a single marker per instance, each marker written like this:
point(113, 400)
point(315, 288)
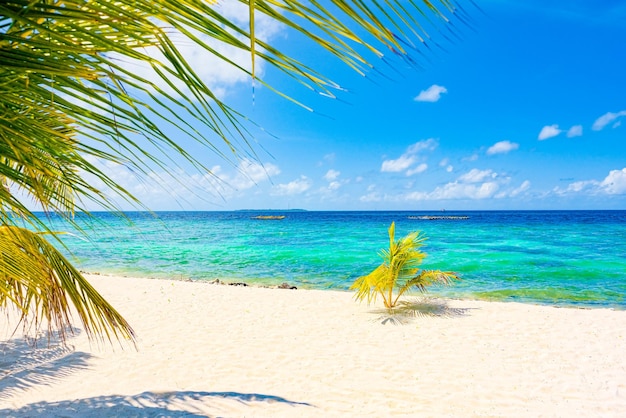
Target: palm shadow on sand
point(25, 362)
point(151, 404)
point(24, 365)
point(407, 310)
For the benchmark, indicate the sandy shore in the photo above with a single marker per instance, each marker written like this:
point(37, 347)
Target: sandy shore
point(210, 350)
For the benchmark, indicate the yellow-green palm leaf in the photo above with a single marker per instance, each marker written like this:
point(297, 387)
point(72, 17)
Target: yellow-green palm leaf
point(44, 286)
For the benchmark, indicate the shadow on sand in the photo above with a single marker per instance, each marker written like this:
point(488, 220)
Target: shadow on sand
point(149, 404)
point(26, 362)
point(410, 309)
point(24, 365)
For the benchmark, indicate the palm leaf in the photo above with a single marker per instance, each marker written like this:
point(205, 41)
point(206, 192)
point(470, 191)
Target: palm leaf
point(37, 280)
point(425, 279)
point(371, 285)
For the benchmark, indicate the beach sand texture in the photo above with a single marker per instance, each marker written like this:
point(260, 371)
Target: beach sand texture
point(225, 351)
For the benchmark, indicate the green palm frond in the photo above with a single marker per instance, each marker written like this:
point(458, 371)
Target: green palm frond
point(399, 272)
point(38, 281)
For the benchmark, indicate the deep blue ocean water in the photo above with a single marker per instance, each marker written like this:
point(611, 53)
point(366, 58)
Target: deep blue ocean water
point(551, 257)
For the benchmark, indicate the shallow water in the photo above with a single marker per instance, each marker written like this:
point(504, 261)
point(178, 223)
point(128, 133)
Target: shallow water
point(553, 257)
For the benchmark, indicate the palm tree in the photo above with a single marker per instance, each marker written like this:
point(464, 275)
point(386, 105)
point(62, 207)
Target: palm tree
point(70, 97)
point(399, 271)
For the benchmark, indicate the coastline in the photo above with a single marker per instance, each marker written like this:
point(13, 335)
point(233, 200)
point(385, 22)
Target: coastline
point(571, 258)
point(252, 351)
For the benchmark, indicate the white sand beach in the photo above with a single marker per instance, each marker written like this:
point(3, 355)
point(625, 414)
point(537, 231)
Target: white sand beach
point(226, 351)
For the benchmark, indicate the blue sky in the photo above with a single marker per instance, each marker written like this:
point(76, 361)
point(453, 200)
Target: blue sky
point(526, 111)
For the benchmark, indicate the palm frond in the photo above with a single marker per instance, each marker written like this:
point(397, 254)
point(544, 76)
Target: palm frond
point(36, 279)
point(427, 278)
point(370, 285)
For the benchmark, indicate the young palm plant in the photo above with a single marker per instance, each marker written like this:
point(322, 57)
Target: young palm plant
point(399, 272)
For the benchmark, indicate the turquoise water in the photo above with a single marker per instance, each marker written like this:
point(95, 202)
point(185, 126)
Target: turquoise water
point(551, 257)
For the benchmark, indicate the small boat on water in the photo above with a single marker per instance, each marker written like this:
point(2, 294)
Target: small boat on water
point(269, 217)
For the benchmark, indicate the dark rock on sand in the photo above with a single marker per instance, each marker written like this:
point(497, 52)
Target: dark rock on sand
point(285, 285)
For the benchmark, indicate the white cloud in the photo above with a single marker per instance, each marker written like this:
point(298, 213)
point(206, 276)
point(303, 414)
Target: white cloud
point(606, 119)
point(476, 176)
point(399, 164)
point(549, 132)
point(407, 159)
point(446, 163)
point(419, 169)
point(522, 188)
point(334, 185)
point(178, 188)
point(475, 184)
point(417, 195)
point(370, 197)
point(458, 190)
point(431, 94)
point(297, 186)
point(587, 186)
point(502, 147)
point(615, 182)
point(429, 144)
point(576, 130)
point(331, 175)
point(250, 173)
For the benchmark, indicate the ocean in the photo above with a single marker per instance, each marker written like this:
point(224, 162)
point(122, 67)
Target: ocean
point(560, 258)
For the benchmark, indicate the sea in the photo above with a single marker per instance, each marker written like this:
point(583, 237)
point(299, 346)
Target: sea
point(561, 258)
